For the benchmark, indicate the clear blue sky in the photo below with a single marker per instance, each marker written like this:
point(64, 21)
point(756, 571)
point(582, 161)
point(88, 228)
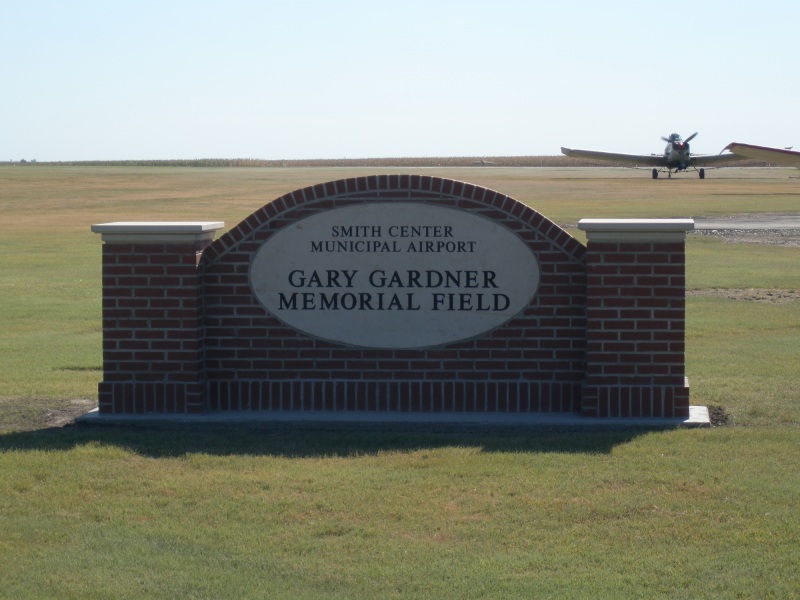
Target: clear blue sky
point(296, 79)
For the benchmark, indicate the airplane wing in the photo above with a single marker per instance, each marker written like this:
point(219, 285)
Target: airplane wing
point(651, 160)
point(774, 155)
point(709, 160)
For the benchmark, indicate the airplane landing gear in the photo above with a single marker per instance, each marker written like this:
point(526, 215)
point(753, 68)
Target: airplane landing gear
point(655, 173)
point(669, 174)
point(702, 173)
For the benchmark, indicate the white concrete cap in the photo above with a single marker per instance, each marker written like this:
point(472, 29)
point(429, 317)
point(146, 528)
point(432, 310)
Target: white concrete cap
point(157, 232)
point(648, 230)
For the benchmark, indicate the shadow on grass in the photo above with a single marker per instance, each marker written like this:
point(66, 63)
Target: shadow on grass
point(306, 441)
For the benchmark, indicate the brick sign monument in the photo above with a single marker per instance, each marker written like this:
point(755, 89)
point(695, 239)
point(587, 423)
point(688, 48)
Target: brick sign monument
point(396, 293)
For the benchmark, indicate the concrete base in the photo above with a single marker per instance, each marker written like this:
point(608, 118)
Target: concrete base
point(698, 417)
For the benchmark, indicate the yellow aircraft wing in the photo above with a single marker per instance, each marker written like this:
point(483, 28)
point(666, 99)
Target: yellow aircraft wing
point(709, 160)
point(651, 160)
point(778, 156)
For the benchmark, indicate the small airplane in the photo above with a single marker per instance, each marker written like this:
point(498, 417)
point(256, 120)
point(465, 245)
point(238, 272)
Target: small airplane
point(779, 156)
point(676, 157)
point(483, 163)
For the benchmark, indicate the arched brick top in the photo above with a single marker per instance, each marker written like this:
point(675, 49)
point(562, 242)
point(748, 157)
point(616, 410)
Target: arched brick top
point(533, 362)
point(530, 225)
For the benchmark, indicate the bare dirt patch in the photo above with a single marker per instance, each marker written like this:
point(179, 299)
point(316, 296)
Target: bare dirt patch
point(67, 413)
point(717, 416)
point(767, 296)
point(30, 414)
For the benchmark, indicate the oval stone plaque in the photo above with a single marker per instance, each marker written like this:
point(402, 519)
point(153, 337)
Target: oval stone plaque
point(400, 275)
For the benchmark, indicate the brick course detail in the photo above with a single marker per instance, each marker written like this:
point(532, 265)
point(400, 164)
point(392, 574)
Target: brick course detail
point(152, 329)
point(635, 322)
point(603, 336)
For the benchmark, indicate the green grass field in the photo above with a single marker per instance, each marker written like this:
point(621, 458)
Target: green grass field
point(309, 512)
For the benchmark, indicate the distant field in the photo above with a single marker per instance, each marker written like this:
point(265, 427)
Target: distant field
point(420, 514)
point(50, 261)
point(37, 198)
point(452, 161)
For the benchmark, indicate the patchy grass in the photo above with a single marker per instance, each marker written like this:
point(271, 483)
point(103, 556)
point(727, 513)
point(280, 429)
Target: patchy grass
point(711, 263)
point(315, 514)
point(50, 293)
point(50, 261)
point(306, 512)
point(743, 356)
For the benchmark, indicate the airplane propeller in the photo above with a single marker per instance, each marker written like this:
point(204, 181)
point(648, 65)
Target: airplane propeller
point(681, 145)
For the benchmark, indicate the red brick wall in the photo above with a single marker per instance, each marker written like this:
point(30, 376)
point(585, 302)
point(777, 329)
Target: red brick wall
point(152, 329)
point(534, 363)
point(604, 334)
point(635, 330)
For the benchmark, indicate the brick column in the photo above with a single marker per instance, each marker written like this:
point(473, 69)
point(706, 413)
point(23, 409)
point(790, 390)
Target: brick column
point(152, 317)
point(636, 290)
